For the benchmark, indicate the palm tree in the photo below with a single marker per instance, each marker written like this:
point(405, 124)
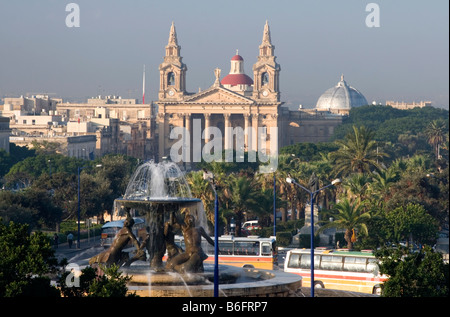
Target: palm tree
point(349, 216)
point(243, 198)
point(356, 185)
point(382, 182)
point(202, 190)
point(358, 152)
point(435, 133)
point(419, 163)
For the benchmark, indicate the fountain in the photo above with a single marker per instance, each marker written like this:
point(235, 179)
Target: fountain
point(160, 193)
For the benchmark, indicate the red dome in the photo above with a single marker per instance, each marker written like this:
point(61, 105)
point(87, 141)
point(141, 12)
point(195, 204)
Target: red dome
point(236, 79)
point(237, 58)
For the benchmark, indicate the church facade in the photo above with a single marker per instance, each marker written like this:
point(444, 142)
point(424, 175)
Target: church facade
point(237, 112)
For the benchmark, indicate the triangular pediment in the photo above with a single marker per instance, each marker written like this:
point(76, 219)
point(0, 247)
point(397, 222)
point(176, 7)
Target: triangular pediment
point(218, 95)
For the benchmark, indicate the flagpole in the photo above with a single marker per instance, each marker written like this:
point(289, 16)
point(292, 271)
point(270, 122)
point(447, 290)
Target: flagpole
point(143, 86)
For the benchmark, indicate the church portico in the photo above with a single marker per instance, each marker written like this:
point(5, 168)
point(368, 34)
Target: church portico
point(238, 131)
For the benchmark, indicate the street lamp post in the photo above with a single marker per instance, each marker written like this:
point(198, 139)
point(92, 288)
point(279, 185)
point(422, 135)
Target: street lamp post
point(312, 193)
point(210, 177)
point(274, 206)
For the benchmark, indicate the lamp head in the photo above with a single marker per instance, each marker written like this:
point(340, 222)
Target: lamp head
point(289, 180)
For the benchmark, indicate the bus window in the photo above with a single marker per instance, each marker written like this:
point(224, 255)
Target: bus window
point(294, 261)
point(331, 262)
point(266, 249)
point(354, 264)
point(246, 248)
point(305, 261)
point(225, 247)
point(372, 266)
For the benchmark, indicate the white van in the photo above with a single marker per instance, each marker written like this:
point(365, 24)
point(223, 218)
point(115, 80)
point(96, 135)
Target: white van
point(251, 225)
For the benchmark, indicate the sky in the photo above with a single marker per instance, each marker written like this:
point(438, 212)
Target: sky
point(405, 58)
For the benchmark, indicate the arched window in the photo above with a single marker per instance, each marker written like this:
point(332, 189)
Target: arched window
point(170, 79)
point(264, 79)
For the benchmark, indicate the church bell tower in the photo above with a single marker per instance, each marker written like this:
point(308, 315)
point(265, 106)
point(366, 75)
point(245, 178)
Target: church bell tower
point(266, 71)
point(172, 70)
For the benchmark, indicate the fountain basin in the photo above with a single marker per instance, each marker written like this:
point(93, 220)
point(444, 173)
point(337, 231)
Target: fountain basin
point(233, 281)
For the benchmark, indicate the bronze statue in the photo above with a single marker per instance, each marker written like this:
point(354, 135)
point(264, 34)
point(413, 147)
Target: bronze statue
point(114, 254)
point(313, 184)
point(169, 235)
point(190, 261)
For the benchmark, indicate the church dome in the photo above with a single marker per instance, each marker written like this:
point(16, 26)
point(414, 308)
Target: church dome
point(237, 75)
point(341, 97)
point(237, 58)
point(237, 79)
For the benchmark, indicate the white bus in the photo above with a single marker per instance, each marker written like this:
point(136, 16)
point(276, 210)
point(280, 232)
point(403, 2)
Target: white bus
point(251, 251)
point(337, 269)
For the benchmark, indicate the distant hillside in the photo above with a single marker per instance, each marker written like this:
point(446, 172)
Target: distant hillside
point(388, 123)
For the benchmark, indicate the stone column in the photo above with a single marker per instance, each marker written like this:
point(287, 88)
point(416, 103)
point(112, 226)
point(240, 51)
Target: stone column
point(207, 125)
point(246, 131)
point(228, 137)
point(255, 119)
point(187, 145)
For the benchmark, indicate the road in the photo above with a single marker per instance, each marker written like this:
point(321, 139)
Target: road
point(63, 250)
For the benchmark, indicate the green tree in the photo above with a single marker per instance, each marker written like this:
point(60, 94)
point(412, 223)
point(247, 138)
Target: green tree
point(436, 132)
point(16, 154)
point(356, 186)
point(12, 209)
point(416, 188)
point(380, 186)
point(33, 206)
point(349, 216)
point(411, 222)
point(388, 123)
point(46, 147)
point(26, 259)
point(308, 152)
point(63, 188)
point(95, 195)
point(201, 189)
point(116, 169)
point(413, 274)
point(110, 283)
point(358, 152)
point(25, 172)
point(243, 196)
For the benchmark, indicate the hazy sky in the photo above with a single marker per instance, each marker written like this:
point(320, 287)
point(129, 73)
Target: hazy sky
point(405, 59)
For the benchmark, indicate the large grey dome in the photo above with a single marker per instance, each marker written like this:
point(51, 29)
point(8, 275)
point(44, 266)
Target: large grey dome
point(341, 97)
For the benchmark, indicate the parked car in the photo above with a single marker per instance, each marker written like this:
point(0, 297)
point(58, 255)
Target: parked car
point(251, 225)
